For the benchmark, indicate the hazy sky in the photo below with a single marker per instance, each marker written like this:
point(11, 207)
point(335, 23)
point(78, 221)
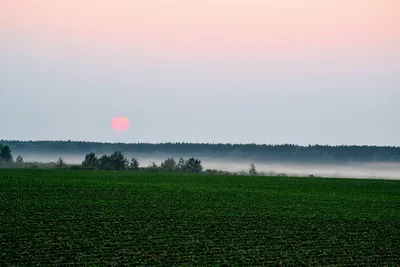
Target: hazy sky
point(241, 71)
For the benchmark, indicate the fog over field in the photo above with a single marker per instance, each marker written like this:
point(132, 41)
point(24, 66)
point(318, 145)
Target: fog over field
point(354, 170)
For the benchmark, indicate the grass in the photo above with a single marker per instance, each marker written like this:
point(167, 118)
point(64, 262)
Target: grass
point(64, 217)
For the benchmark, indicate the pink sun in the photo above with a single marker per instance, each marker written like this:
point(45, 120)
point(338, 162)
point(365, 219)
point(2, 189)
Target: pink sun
point(120, 124)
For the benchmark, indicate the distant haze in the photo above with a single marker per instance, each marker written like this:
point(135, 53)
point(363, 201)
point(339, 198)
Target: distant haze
point(356, 170)
point(237, 71)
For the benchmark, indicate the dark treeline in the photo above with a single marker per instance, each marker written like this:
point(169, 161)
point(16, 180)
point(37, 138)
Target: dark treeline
point(287, 152)
point(115, 161)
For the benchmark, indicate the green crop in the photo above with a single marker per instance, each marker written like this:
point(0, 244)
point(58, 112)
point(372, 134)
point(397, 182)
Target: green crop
point(64, 217)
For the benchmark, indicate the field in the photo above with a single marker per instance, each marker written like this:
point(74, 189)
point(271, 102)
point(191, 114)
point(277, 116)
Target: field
point(64, 217)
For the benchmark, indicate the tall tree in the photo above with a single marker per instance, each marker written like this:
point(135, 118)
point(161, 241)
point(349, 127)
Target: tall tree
point(91, 160)
point(118, 160)
point(5, 154)
point(169, 164)
point(105, 163)
point(193, 165)
point(181, 164)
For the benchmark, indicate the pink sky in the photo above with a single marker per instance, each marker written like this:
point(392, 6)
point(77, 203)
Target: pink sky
point(219, 27)
point(265, 62)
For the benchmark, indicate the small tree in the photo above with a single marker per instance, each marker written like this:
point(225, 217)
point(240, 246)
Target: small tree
point(19, 160)
point(60, 163)
point(91, 160)
point(253, 170)
point(134, 164)
point(169, 164)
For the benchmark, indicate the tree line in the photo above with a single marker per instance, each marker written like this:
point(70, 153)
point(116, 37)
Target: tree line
point(117, 161)
point(255, 152)
point(114, 161)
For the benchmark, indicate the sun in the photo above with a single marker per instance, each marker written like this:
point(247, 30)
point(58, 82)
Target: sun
point(120, 124)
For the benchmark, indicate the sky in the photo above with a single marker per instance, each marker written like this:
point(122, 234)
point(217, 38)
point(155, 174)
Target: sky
point(218, 71)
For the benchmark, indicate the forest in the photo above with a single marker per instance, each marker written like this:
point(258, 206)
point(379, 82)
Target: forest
point(255, 152)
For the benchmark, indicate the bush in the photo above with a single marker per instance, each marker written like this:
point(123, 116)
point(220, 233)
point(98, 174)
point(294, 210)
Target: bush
point(214, 171)
point(34, 166)
point(80, 167)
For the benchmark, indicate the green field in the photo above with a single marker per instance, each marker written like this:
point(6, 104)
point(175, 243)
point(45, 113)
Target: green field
point(64, 217)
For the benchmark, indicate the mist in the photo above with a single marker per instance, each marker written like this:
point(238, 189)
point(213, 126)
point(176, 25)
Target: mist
point(355, 170)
